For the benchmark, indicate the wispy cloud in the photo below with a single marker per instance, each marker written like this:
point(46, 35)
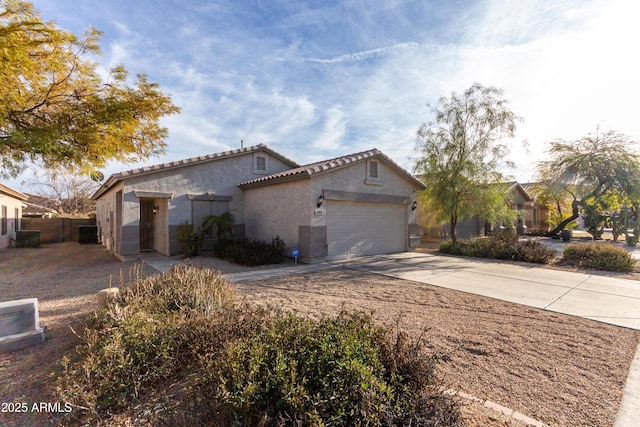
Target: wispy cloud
point(365, 54)
point(320, 80)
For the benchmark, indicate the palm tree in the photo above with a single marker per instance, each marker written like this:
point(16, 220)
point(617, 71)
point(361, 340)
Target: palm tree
point(222, 224)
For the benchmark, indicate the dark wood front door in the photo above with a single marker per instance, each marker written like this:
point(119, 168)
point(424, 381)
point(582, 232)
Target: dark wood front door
point(146, 224)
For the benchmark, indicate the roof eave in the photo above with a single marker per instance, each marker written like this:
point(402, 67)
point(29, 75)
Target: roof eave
point(273, 181)
point(13, 193)
point(121, 176)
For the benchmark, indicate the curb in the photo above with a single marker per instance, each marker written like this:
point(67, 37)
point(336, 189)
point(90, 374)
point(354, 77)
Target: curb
point(510, 413)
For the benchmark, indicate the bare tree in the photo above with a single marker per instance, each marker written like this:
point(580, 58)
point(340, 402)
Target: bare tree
point(69, 193)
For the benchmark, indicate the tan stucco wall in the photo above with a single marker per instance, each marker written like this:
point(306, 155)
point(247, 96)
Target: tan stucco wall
point(278, 210)
point(354, 179)
point(105, 206)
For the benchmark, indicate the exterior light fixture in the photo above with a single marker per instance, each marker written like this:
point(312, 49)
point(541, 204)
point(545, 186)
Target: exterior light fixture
point(320, 200)
point(156, 208)
point(414, 206)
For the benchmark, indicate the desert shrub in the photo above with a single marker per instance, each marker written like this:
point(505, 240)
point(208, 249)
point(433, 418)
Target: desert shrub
point(246, 364)
point(251, 252)
point(143, 337)
point(534, 251)
point(598, 256)
point(631, 239)
point(338, 371)
point(503, 245)
point(189, 238)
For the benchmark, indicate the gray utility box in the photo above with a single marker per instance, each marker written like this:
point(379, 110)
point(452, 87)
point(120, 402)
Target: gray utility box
point(87, 234)
point(27, 238)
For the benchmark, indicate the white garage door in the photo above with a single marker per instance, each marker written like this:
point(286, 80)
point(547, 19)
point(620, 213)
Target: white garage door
point(356, 229)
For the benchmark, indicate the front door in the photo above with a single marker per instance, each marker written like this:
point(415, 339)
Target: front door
point(146, 224)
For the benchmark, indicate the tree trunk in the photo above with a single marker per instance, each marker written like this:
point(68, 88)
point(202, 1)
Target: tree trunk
point(454, 222)
point(575, 214)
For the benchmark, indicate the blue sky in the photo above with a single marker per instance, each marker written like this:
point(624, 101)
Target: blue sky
point(319, 79)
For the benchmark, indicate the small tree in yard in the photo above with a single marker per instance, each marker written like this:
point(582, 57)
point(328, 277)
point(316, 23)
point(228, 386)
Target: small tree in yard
point(191, 237)
point(591, 169)
point(459, 154)
point(223, 224)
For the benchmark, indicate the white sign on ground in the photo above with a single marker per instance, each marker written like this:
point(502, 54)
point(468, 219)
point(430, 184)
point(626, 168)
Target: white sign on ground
point(19, 324)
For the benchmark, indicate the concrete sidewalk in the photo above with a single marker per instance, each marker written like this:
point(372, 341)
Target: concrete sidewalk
point(163, 263)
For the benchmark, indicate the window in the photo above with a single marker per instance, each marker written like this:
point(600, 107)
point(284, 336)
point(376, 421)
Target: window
point(373, 169)
point(200, 209)
point(261, 164)
point(4, 220)
point(16, 222)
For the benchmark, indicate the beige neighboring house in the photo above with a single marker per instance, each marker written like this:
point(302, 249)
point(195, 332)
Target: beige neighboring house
point(531, 217)
point(538, 217)
point(11, 203)
point(354, 205)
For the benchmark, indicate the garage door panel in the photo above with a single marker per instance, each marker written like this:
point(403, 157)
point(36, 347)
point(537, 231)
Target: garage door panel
point(357, 229)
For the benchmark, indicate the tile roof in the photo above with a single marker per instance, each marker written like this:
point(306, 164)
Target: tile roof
point(532, 188)
point(187, 162)
point(323, 166)
point(516, 186)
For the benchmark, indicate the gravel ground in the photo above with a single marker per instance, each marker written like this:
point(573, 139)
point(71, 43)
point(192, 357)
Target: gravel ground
point(558, 369)
point(554, 368)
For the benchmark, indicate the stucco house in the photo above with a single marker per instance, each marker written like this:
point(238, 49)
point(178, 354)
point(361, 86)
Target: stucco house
point(519, 199)
point(353, 205)
point(538, 216)
point(11, 202)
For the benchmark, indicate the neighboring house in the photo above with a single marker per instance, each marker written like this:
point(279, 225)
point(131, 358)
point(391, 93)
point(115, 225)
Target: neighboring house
point(539, 218)
point(353, 205)
point(38, 207)
point(473, 226)
point(10, 213)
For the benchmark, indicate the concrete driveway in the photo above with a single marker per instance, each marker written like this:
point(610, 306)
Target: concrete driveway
point(606, 299)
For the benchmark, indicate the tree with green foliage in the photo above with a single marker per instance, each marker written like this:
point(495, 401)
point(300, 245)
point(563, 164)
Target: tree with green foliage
point(56, 109)
point(591, 169)
point(459, 155)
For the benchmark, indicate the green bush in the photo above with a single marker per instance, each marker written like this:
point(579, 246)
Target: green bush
point(251, 252)
point(501, 245)
point(189, 238)
point(340, 371)
point(598, 256)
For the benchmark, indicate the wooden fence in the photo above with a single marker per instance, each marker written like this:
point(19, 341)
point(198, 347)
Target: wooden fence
point(55, 230)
